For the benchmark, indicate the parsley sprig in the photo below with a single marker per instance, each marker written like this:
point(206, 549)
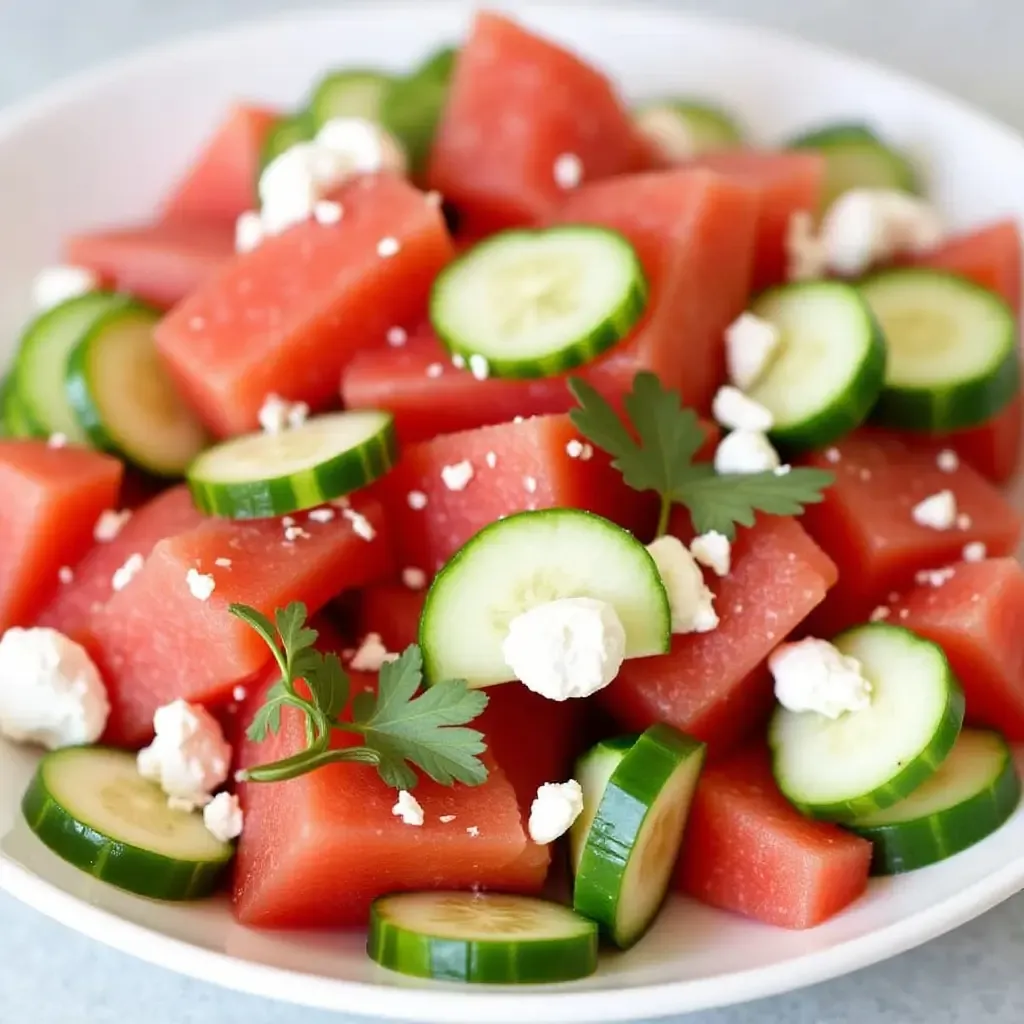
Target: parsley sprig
point(657, 455)
point(400, 727)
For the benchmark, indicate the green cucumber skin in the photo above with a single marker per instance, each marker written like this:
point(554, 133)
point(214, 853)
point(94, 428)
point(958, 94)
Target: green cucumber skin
point(712, 126)
point(321, 105)
point(15, 419)
point(264, 499)
point(911, 845)
point(631, 792)
point(126, 867)
point(284, 134)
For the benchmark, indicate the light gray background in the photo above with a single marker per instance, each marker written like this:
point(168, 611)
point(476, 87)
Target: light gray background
point(52, 976)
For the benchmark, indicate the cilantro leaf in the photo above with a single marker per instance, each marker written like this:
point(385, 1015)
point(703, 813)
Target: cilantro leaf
point(296, 637)
point(328, 685)
point(268, 718)
point(255, 619)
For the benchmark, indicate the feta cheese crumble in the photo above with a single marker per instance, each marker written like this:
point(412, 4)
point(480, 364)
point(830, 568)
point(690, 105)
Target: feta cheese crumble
point(456, 477)
point(568, 648)
point(51, 693)
point(434, 370)
point(668, 132)
point(408, 809)
point(947, 460)
point(530, 484)
point(750, 346)
point(933, 577)
point(413, 578)
point(188, 757)
point(200, 584)
point(223, 817)
point(938, 511)
point(397, 336)
point(248, 231)
point(371, 654)
point(277, 414)
point(734, 410)
point(745, 451)
point(713, 550)
point(131, 568)
point(361, 526)
point(805, 253)
point(556, 806)
point(321, 515)
point(57, 440)
point(491, 458)
point(479, 367)
point(445, 818)
point(416, 500)
point(222, 563)
point(568, 171)
point(975, 551)
point(812, 675)
point(65, 574)
point(691, 602)
point(327, 212)
point(110, 524)
point(57, 284)
point(388, 247)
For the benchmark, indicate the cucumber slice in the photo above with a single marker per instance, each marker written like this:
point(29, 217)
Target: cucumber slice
point(830, 367)
point(952, 359)
point(636, 798)
point(411, 108)
point(972, 794)
point(684, 128)
point(263, 475)
point(535, 303)
point(489, 938)
point(92, 808)
point(123, 398)
point(14, 421)
point(285, 133)
point(865, 761)
point(855, 157)
point(529, 558)
point(41, 369)
point(357, 92)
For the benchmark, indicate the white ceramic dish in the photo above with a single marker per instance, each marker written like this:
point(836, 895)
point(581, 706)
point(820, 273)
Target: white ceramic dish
point(103, 148)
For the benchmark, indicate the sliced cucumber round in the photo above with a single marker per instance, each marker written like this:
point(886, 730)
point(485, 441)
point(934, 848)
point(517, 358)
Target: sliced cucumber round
point(972, 794)
point(41, 368)
point(636, 797)
point(124, 400)
point(855, 157)
point(830, 366)
point(684, 128)
point(285, 133)
point(535, 303)
point(14, 421)
point(262, 475)
point(355, 92)
point(488, 938)
point(865, 761)
point(952, 359)
point(528, 559)
point(92, 808)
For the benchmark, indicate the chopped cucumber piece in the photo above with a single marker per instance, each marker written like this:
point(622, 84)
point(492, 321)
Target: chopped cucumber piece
point(488, 938)
point(684, 128)
point(352, 93)
point(865, 761)
point(123, 398)
point(287, 132)
point(972, 794)
point(262, 475)
point(530, 558)
point(952, 359)
point(636, 798)
point(92, 808)
point(830, 367)
point(535, 303)
point(855, 157)
point(41, 368)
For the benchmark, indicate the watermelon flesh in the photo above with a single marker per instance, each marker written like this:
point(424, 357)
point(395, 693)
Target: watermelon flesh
point(748, 850)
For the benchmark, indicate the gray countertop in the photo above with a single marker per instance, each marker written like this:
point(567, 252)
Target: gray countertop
point(49, 975)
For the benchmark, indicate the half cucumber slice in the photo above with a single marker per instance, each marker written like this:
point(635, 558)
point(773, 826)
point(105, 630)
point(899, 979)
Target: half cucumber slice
point(952, 356)
point(972, 794)
point(855, 157)
point(830, 367)
point(124, 400)
point(92, 808)
point(530, 558)
point(636, 797)
point(487, 938)
point(356, 92)
point(261, 475)
point(865, 761)
point(684, 128)
point(535, 303)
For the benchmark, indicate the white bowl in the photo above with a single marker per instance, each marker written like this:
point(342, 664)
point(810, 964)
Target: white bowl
point(104, 147)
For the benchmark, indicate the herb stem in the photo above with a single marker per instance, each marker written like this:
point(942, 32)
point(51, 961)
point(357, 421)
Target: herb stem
point(663, 514)
point(300, 764)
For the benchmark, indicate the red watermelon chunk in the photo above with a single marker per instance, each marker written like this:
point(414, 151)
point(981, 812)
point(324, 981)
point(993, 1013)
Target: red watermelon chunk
point(156, 642)
point(288, 316)
point(994, 448)
point(867, 527)
point(52, 499)
point(517, 104)
point(715, 685)
point(977, 617)
point(748, 850)
point(221, 184)
point(393, 611)
point(73, 607)
point(161, 263)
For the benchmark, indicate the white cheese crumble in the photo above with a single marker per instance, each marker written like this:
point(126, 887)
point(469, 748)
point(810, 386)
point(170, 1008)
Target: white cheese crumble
point(434, 370)
point(750, 346)
point(574, 448)
point(690, 600)
point(294, 533)
point(937, 511)
point(51, 693)
point(963, 521)
point(222, 563)
point(57, 440)
point(321, 515)
point(239, 693)
point(571, 647)
point(805, 252)
point(65, 574)
point(371, 654)
point(833, 455)
point(947, 460)
point(458, 361)
point(445, 818)
point(668, 132)
point(556, 806)
point(456, 477)
point(327, 212)
point(200, 584)
point(223, 817)
point(189, 756)
point(278, 414)
point(361, 526)
point(473, 831)
point(388, 247)
point(479, 367)
point(933, 577)
point(734, 410)
point(110, 524)
point(57, 284)
point(131, 568)
point(491, 458)
point(413, 578)
point(975, 551)
point(713, 550)
point(812, 675)
point(745, 451)
point(880, 613)
point(416, 500)
point(568, 170)
point(408, 809)
point(530, 484)
point(248, 231)
point(397, 336)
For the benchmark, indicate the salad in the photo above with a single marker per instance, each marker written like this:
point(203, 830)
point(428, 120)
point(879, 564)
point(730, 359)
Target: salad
point(468, 468)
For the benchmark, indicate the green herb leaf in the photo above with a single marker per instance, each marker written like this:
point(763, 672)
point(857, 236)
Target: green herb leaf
point(268, 717)
point(328, 685)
